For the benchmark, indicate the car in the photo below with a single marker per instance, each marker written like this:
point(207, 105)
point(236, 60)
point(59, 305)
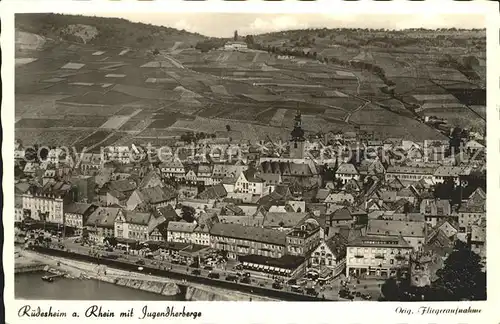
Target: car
point(262, 284)
point(344, 293)
point(231, 278)
point(245, 280)
point(196, 272)
point(366, 296)
point(277, 285)
point(297, 289)
point(175, 261)
point(239, 267)
point(141, 262)
point(109, 249)
point(209, 268)
point(292, 281)
point(311, 292)
point(246, 274)
point(110, 256)
point(357, 293)
point(214, 275)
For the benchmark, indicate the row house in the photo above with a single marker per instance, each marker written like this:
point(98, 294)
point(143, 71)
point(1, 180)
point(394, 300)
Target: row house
point(377, 256)
point(346, 172)
point(435, 210)
point(412, 232)
point(223, 171)
point(454, 173)
point(181, 232)
point(152, 198)
point(47, 203)
point(173, 169)
point(132, 225)
point(238, 240)
point(90, 162)
point(101, 224)
point(330, 254)
point(118, 192)
point(158, 223)
point(76, 214)
point(303, 238)
point(406, 173)
point(249, 182)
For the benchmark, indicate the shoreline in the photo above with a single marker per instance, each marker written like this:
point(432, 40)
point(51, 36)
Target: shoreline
point(32, 261)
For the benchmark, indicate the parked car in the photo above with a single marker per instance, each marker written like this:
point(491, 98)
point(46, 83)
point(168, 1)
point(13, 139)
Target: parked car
point(214, 275)
point(209, 268)
point(239, 267)
point(311, 292)
point(109, 249)
point(366, 296)
point(232, 278)
point(141, 262)
point(357, 293)
point(297, 289)
point(196, 272)
point(292, 281)
point(277, 285)
point(344, 293)
point(245, 280)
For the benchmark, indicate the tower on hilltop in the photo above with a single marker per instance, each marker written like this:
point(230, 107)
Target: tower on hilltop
point(297, 141)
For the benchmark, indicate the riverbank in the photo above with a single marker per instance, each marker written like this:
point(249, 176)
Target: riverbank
point(145, 282)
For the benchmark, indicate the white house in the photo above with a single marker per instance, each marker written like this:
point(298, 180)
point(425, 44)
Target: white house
point(330, 254)
point(249, 182)
point(346, 172)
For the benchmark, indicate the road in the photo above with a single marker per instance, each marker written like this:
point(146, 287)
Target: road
point(329, 291)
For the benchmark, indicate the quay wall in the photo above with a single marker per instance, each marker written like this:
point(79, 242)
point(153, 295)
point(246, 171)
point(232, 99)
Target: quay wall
point(191, 293)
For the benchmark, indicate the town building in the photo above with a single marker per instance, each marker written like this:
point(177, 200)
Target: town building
point(76, 214)
point(330, 254)
point(238, 240)
point(249, 182)
point(152, 198)
point(132, 225)
point(303, 238)
point(101, 224)
point(47, 203)
point(412, 232)
point(180, 232)
point(377, 256)
point(346, 172)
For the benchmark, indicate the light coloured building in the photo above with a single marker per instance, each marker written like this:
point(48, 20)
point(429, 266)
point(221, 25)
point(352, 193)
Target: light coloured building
point(47, 203)
point(238, 240)
point(303, 238)
point(101, 223)
point(377, 256)
point(76, 214)
point(330, 254)
point(249, 182)
point(414, 233)
point(173, 169)
point(132, 225)
point(346, 172)
point(180, 232)
point(405, 173)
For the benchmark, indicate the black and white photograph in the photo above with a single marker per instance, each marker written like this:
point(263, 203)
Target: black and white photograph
point(249, 157)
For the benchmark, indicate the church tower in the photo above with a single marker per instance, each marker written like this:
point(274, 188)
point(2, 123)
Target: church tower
point(297, 141)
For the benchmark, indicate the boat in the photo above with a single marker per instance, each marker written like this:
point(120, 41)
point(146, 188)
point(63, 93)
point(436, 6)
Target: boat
point(48, 279)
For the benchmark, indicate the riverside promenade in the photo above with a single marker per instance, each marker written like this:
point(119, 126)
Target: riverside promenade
point(186, 278)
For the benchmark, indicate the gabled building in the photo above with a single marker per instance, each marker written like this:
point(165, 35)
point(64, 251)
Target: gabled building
point(47, 203)
point(249, 182)
point(346, 172)
point(152, 198)
point(101, 223)
point(173, 169)
point(412, 232)
point(76, 214)
point(303, 238)
point(132, 225)
point(330, 254)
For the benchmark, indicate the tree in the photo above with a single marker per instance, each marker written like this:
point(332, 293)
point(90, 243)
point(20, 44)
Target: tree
point(228, 128)
point(461, 277)
point(187, 213)
point(235, 35)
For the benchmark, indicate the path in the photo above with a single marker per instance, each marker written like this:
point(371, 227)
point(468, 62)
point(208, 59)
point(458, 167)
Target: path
point(356, 110)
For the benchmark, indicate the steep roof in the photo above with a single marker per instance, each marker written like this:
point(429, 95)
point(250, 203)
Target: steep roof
point(154, 195)
point(137, 218)
point(213, 192)
point(395, 228)
point(379, 241)
point(103, 217)
point(347, 168)
point(288, 219)
point(256, 234)
point(341, 214)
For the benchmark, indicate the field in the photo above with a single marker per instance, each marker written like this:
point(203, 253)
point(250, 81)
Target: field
point(121, 88)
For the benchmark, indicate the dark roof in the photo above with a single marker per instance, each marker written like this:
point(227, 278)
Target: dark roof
point(256, 234)
point(341, 214)
point(154, 195)
point(123, 185)
point(79, 208)
point(288, 219)
point(213, 192)
point(285, 262)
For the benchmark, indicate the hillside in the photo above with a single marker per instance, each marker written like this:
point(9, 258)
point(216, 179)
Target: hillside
point(104, 31)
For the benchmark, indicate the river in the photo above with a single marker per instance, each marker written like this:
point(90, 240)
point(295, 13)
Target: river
point(31, 286)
